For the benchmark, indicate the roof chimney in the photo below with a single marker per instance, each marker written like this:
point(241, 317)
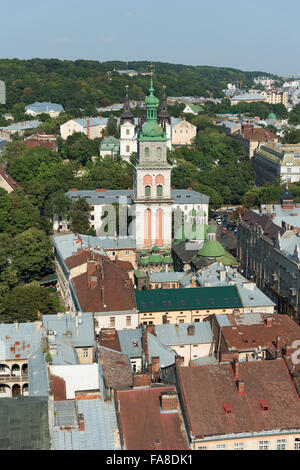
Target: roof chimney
point(81, 422)
point(155, 364)
point(288, 351)
point(191, 330)
point(236, 366)
point(241, 386)
point(16, 325)
point(168, 401)
point(278, 346)
point(269, 322)
point(92, 282)
point(151, 329)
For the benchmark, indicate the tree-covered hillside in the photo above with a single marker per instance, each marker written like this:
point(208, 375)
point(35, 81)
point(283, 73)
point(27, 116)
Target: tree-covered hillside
point(85, 83)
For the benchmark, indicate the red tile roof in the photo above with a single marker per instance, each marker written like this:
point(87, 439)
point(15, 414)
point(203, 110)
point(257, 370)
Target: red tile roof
point(243, 337)
point(257, 134)
point(144, 426)
point(269, 228)
point(205, 390)
point(9, 180)
point(104, 287)
point(116, 368)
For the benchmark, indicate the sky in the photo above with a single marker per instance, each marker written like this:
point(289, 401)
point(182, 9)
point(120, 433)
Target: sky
point(260, 35)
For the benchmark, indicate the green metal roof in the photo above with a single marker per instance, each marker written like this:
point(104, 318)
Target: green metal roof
point(211, 249)
point(144, 260)
point(155, 259)
point(24, 423)
point(195, 298)
point(212, 229)
point(168, 260)
point(50, 278)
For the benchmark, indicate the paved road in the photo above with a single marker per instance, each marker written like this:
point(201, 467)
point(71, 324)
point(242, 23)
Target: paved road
point(229, 241)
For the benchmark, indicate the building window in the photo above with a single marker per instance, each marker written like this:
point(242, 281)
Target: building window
point(263, 445)
point(128, 320)
point(181, 320)
point(127, 131)
point(133, 366)
point(221, 446)
point(159, 152)
point(147, 191)
point(281, 444)
point(202, 448)
point(112, 321)
point(297, 444)
point(85, 352)
point(147, 152)
point(159, 190)
point(239, 446)
point(127, 253)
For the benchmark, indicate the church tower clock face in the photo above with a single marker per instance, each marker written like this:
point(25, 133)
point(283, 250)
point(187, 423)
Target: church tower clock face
point(152, 191)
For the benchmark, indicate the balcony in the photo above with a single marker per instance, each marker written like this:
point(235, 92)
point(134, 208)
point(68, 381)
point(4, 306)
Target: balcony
point(13, 378)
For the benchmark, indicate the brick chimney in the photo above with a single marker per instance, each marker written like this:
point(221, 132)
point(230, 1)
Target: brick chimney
point(88, 129)
point(151, 329)
point(92, 282)
point(288, 351)
point(91, 267)
point(191, 330)
point(241, 386)
point(168, 401)
point(81, 422)
point(155, 364)
point(157, 445)
point(236, 367)
point(178, 360)
point(269, 322)
point(145, 345)
point(278, 346)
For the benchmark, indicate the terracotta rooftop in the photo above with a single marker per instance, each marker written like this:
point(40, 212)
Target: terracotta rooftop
point(109, 338)
point(270, 229)
point(207, 389)
point(144, 425)
point(116, 368)
point(258, 134)
point(9, 180)
point(241, 336)
point(105, 286)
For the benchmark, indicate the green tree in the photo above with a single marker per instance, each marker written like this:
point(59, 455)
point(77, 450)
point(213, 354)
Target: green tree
point(79, 214)
point(32, 255)
point(25, 303)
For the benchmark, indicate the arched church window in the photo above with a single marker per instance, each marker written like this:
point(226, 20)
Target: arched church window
point(158, 150)
point(127, 131)
point(159, 190)
point(127, 148)
point(147, 190)
point(147, 152)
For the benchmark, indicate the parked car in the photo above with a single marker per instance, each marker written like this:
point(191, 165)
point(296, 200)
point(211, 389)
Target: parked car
point(219, 221)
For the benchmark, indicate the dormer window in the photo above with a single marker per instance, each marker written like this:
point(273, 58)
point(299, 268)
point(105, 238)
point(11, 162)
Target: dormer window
point(147, 152)
point(264, 405)
point(227, 408)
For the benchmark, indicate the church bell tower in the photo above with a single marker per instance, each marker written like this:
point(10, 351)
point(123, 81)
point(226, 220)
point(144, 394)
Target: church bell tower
point(152, 182)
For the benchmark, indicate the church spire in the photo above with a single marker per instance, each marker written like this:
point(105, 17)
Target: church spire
point(164, 116)
point(126, 114)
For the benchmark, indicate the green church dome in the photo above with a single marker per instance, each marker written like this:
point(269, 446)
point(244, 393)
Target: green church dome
point(211, 249)
point(271, 116)
point(212, 229)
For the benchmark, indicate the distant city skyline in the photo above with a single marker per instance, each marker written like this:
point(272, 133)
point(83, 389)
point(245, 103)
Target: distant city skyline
point(262, 36)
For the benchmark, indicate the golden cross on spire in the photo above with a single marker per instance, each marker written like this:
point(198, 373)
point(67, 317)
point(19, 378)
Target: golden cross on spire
point(152, 69)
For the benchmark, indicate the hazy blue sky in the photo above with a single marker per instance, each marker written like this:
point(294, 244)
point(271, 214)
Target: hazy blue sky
point(257, 35)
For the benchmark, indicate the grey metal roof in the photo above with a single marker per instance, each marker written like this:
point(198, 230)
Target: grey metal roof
point(176, 335)
point(65, 328)
point(204, 361)
point(157, 349)
point(38, 384)
point(180, 196)
point(166, 276)
point(22, 341)
point(92, 122)
point(21, 126)
point(65, 413)
point(127, 339)
point(44, 107)
point(66, 248)
point(101, 429)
